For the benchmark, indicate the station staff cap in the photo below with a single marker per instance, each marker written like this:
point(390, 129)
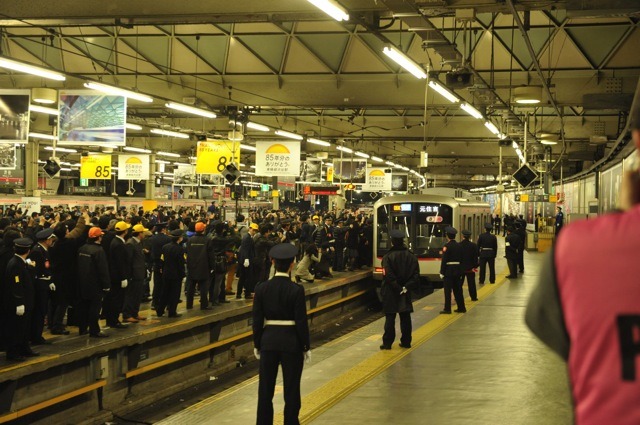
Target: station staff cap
point(466, 232)
point(254, 226)
point(121, 226)
point(283, 251)
point(45, 234)
point(396, 234)
point(450, 230)
point(23, 243)
point(176, 233)
point(488, 226)
point(139, 228)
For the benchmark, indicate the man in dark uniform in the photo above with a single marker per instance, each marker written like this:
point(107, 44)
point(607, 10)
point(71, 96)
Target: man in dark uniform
point(172, 262)
point(199, 266)
point(42, 284)
point(511, 246)
point(134, 291)
point(221, 244)
point(401, 274)
point(339, 233)
point(469, 263)
point(93, 275)
point(157, 241)
point(487, 251)
point(247, 264)
point(280, 336)
point(521, 231)
point(119, 271)
point(451, 272)
point(18, 300)
point(559, 220)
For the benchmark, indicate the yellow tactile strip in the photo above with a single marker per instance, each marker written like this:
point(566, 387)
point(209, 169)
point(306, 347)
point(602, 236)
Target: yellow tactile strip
point(323, 398)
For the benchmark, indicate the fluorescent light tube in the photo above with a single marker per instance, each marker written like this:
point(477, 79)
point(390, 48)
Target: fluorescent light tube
point(376, 159)
point(389, 163)
point(444, 91)
point(361, 154)
point(117, 91)
point(247, 147)
point(43, 136)
point(190, 110)
point(289, 135)
point(133, 126)
point(318, 142)
point(50, 148)
point(258, 127)
point(44, 110)
point(171, 154)
point(332, 9)
point(169, 133)
point(492, 128)
point(30, 69)
point(404, 61)
point(471, 111)
point(344, 149)
point(133, 149)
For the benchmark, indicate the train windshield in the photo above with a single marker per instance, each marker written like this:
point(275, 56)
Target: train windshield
point(422, 223)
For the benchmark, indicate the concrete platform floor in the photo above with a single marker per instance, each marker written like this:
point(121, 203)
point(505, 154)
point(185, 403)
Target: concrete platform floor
point(482, 367)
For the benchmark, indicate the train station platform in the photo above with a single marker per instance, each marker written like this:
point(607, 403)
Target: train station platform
point(482, 367)
point(78, 379)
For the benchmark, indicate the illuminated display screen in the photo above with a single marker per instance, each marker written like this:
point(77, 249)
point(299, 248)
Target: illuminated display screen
point(402, 207)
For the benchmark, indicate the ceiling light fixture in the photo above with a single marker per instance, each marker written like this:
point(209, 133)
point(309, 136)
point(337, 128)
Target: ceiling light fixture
point(117, 91)
point(190, 110)
point(169, 133)
point(376, 159)
point(492, 128)
point(50, 148)
point(133, 126)
point(259, 127)
point(43, 136)
point(133, 149)
point(471, 111)
point(289, 135)
point(171, 154)
point(404, 61)
point(332, 9)
point(318, 142)
point(247, 147)
point(44, 95)
point(445, 92)
point(30, 69)
point(43, 110)
point(527, 95)
point(548, 138)
point(344, 149)
point(361, 154)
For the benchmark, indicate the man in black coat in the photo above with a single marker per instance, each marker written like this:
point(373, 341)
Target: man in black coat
point(521, 231)
point(469, 263)
point(18, 299)
point(511, 246)
point(488, 250)
point(119, 272)
point(222, 245)
point(135, 288)
point(159, 239)
point(172, 262)
point(401, 274)
point(451, 272)
point(280, 336)
point(93, 275)
point(199, 266)
point(42, 284)
point(247, 264)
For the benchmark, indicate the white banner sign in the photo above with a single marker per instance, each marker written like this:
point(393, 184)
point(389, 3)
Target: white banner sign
point(133, 167)
point(377, 180)
point(31, 204)
point(185, 175)
point(278, 158)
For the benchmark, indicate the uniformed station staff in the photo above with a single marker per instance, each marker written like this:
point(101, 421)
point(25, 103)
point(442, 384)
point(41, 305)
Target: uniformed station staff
point(451, 272)
point(487, 251)
point(280, 336)
point(401, 274)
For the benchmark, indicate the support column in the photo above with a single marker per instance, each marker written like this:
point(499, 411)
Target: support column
point(31, 168)
point(149, 186)
point(275, 199)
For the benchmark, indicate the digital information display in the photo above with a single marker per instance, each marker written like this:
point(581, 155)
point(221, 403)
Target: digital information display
point(402, 208)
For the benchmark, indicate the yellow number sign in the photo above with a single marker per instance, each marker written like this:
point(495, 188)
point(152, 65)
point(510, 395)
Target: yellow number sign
point(97, 167)
point(213, 157)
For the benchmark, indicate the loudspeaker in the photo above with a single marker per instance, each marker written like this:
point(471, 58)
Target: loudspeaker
point(52, 168)
point(231, 173)
point(459, 79)
point(525, 176)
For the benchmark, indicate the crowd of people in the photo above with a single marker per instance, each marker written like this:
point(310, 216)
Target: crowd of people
point(61, 267)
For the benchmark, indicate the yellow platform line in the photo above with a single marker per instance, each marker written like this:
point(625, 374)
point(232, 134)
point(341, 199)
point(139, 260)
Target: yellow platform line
point(224, 394)
point(328, 395)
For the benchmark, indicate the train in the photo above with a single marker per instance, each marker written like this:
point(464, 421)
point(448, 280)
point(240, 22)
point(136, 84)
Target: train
point(423, 219)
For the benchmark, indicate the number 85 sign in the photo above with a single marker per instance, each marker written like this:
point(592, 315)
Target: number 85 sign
point(95, 167)
point(213, 157)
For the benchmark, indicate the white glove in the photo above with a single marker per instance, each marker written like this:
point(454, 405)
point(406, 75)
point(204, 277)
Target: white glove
point(246, 262)
point(52, 286)
point(30, 262)
point(441, 276)
point(256, 353)
point(106, 290)
point(307, 356)
point(124, 283)
point(20, 310)
point(404, 290)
